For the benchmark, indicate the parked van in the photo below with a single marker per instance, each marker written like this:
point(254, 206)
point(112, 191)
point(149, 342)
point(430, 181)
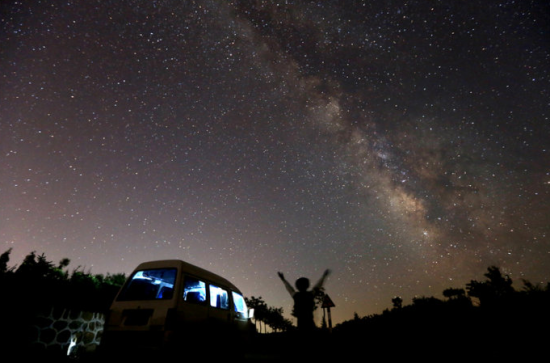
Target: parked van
point(173, 304)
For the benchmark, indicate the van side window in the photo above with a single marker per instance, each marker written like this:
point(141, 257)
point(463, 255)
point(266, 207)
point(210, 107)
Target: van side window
point(240, 305)
point(218, 297)
point(194, 290)
point(150, 285)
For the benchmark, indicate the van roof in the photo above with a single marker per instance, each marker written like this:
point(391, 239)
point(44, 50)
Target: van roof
point(190, 269)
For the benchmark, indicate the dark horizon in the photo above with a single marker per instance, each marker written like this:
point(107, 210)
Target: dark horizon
point(42, 294)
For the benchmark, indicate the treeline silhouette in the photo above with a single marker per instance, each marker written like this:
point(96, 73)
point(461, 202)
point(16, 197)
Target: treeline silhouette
point(488, 318)
point(38, 283)
point(485, 319)
point(268, 316)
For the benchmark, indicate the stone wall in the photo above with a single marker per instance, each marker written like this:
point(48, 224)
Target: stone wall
point(67, 332)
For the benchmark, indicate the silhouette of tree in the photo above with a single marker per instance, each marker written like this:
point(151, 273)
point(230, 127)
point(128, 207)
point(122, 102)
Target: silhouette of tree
point(260, 310)
point(35, 267)
point(495, 288)
point(276, 320)
point(319, 297)
point(397, 302)
point(529, 287)
point(38, 281)
point(454, 294)
point(114, 279)
point(4, 259)
point(269, 316)
point(426, 301)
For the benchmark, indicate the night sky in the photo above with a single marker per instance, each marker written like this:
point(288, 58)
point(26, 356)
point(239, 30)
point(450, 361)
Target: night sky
point(405, 145)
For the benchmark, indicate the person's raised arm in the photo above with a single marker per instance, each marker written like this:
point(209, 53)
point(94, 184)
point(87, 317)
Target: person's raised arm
point(288, 286)
point(321, 281)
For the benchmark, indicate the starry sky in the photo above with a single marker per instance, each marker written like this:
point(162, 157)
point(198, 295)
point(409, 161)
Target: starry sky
point(402, 144)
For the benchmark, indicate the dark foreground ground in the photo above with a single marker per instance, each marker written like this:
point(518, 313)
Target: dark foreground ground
point(330, 347)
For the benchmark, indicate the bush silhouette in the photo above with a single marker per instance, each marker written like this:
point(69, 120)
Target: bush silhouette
point(38, 283)
point(488, 319)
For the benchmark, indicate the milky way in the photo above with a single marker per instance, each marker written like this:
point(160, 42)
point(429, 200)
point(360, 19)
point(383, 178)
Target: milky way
point(402, 144)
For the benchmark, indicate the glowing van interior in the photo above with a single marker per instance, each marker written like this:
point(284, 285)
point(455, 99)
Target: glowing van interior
point(170, 300)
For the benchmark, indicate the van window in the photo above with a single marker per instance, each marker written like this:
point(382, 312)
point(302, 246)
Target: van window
point(194, 290)
point(240, 305)
point(218, 297)
point(150, 285)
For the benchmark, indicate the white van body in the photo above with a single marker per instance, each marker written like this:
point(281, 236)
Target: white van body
point(168, 304)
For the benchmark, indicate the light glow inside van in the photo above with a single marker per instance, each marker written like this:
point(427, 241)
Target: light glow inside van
point(240, 305)
point(155, 284)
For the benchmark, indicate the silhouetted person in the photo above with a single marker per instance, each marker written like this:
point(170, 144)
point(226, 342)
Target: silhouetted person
point(304, 302)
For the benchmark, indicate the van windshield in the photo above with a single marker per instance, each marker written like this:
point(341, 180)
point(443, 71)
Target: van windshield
point(240, 305)
point(157, 284)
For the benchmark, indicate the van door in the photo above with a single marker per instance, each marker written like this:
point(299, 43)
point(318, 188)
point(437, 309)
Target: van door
point(219, 311)
point(194, 304)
